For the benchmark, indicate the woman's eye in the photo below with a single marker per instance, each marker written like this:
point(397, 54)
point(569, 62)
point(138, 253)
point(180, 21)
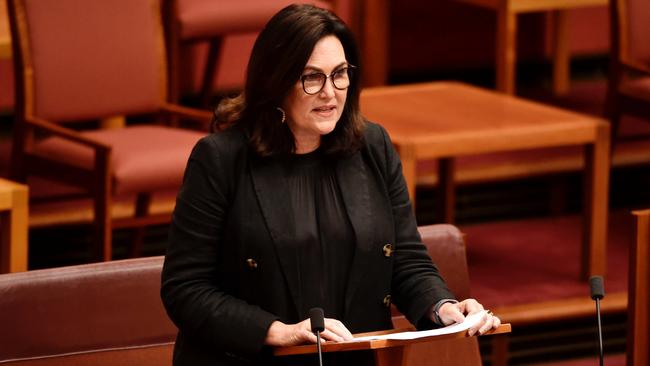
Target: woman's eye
point(340, 73)
point(312, 77)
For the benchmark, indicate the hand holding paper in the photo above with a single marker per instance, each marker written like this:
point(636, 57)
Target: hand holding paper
point(450, 313)
point(470, 320)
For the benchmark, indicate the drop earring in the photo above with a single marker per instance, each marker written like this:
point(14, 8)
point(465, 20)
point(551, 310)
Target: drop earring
point(284, 115)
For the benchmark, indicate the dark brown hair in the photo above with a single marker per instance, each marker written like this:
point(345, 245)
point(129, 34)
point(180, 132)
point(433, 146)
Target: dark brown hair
point(278, 59)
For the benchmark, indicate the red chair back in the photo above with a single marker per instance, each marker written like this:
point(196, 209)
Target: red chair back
point(446, 247)
point(638, 29)
point(80, 63)
point(634, 27)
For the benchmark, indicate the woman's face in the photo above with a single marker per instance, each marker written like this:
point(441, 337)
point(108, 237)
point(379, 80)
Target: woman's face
point(311, 116)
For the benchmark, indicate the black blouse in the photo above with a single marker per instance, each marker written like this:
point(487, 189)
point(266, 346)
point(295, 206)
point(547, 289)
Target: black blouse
point(324, 236)
point(324, 246)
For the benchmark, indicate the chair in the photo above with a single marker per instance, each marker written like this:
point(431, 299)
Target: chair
point(100, 314)
point(191, 21)
point(629, 79)
point(80, 61)
point(638, 313)
point(446, 248)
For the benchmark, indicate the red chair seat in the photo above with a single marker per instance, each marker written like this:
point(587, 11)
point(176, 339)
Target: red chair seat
point(638, 88)
point(207, 18)
point(144, 158)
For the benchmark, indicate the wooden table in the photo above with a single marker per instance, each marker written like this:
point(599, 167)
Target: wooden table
point(13, 227)
point(387, 352)
point(506, 36)
point(444, 120)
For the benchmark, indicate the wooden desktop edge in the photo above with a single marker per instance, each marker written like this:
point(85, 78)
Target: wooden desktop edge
point(378, 343)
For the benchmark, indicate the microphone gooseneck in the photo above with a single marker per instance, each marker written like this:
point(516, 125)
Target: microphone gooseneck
point(317, 319)
point(597, 293)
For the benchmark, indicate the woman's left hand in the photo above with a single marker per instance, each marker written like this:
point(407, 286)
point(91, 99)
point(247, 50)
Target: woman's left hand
point(455, 313)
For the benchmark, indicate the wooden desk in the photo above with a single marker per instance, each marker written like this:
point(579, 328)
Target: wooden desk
point(13, 227)
point(386, 352)
point(506, 36)
point(443, 120)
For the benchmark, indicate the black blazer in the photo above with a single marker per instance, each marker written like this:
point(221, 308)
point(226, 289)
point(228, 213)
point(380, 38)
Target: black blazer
point(230, 269)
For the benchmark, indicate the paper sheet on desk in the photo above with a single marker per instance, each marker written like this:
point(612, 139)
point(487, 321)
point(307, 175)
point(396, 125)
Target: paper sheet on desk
point(470, 320)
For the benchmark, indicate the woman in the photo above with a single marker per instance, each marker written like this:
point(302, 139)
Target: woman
point(293, 205)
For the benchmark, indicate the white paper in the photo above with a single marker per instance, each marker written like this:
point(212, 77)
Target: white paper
point(470, 321)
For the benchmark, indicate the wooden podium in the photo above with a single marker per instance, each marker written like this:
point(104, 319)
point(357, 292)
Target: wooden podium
point(387, 352)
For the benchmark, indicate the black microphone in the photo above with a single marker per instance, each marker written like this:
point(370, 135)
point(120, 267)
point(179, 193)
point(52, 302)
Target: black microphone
point(317, 320)
point(597, 293)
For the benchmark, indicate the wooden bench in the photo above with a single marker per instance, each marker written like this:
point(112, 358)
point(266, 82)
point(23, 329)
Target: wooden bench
point(100, 314)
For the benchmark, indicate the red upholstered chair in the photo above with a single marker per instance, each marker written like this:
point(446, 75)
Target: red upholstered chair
point(629, 84)
point(446, 248)
point(191, 21)
point(82, 60)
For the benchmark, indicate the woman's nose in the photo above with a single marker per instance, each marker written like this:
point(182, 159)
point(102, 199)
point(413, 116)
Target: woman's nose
point(328, 89)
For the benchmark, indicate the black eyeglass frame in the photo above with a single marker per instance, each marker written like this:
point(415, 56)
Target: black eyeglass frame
point(349, 69)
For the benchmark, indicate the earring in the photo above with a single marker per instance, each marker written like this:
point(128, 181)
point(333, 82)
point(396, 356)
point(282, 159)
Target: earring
point(284, 116)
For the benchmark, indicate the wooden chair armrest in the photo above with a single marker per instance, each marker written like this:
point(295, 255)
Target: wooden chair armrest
point(636, 66)
point(65, 133)
point(203, 117)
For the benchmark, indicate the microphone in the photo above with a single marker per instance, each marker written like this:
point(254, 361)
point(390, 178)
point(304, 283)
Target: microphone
point(317, 320)
point(597, 293)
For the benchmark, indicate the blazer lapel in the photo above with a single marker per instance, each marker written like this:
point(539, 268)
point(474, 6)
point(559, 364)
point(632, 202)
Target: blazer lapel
point(352, 177)
point(272, 195)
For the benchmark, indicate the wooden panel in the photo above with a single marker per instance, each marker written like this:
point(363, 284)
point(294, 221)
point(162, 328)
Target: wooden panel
point(638, 340)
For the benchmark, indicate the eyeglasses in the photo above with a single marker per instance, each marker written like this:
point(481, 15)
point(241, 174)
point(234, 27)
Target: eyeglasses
point(315, 82)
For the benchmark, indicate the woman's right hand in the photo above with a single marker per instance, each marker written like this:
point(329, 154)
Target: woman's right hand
point(280, 334)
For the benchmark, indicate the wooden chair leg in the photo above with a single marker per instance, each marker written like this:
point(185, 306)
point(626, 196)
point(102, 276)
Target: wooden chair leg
point(210, 71)
point(500, 344)
point(103, 226)
point(506, 49)
point(103, 204)
point(615, 121)
point(613, 104)
point(142, 204)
